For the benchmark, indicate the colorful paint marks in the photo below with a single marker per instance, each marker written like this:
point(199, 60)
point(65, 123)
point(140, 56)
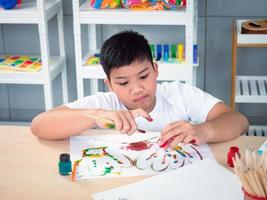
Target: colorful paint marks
point(112, 156)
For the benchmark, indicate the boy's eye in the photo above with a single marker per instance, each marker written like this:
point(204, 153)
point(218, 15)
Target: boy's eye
point(124, 83)
point(143, 77)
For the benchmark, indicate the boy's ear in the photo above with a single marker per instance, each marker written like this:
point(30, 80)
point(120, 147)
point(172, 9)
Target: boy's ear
point(107, 82)
point(156, 68)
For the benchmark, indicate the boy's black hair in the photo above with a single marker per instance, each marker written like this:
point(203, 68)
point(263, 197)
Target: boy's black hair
point(122, 49)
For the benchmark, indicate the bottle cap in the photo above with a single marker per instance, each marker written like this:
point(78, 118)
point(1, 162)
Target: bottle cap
point(64, 157)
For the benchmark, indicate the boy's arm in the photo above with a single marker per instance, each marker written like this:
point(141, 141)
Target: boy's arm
point(223, 123)
point(61, 122)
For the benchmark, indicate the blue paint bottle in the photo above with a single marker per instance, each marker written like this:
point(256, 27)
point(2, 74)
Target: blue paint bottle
point(64, 164)
point(165, 52)
point(159, 51)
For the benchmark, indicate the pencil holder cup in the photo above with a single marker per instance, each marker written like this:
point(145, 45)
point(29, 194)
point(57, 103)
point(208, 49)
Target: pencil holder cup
point(248, 196)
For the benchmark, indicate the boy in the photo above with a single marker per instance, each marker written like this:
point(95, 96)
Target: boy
point(180, 112)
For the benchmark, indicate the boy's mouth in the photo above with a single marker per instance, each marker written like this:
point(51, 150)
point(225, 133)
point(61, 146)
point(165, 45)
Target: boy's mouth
point(140, 99)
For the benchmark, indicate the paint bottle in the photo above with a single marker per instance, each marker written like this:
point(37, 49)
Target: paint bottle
point(64, 164)
point(159, 51)
point(165, 52)
point(152, 49)
point(173, 51)
point(231, 155)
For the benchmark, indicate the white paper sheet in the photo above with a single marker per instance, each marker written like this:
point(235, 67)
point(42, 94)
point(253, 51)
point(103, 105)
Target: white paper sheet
point(202, 180)
point(116, 156)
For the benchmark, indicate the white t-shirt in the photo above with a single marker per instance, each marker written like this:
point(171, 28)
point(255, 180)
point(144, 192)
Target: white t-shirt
point(174, 101)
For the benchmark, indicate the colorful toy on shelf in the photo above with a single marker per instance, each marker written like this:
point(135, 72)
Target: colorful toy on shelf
point(105, 4)
point(94, 59)
point(9, 4)
point(139, 4)
point(20, 63)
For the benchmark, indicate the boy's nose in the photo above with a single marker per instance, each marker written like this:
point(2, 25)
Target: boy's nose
point(137, 90)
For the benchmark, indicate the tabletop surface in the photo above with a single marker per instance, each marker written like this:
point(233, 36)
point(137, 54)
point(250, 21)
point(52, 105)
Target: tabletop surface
point(29, 166)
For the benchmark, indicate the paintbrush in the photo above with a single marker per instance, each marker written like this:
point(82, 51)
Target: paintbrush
point(108, 123)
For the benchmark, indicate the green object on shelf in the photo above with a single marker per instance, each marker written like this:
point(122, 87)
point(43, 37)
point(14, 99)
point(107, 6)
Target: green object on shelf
point(152, 49)
point(173, 50)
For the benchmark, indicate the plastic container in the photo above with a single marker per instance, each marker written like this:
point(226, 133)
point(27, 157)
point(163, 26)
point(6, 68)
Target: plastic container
point(231, 154)
point(64, 164)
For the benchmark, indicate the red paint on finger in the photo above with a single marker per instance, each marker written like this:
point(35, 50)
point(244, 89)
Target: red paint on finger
point(149, 119)
point(167, 142)
point(193, 141)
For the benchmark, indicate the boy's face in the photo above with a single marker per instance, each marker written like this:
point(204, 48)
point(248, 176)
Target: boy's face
point(135, 85)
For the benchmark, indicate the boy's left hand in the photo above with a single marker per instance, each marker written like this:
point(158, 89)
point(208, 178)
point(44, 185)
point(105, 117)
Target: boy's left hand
point(182, 132)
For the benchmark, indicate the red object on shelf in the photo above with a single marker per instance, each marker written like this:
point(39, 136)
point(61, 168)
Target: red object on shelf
point(231, 154)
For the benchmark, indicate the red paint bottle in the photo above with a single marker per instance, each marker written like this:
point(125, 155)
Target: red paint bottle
point(231, 154)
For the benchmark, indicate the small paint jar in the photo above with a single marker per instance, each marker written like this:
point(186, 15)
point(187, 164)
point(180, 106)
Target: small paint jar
point(64, 164)
point(248, 196)
point(231, 154)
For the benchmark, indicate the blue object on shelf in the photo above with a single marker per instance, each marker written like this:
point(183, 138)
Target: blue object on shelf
point(165, 52)
point(195, 54)
point(8, 4)
point(159, 52)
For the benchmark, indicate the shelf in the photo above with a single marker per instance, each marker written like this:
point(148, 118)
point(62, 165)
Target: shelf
point(88, 15)
point(257, 130)
point(38, 12)
point(249, 39)
point(166, 71)
point(28, 13)
point(83, 14)
point(15, 77)
point(251, 89)
point(246, 89)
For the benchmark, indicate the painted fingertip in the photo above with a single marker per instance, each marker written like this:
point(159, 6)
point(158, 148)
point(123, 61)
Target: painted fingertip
point(149, 119)
point(164, 144)
point(193, 141)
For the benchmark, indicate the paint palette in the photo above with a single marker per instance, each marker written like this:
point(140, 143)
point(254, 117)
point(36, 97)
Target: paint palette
point(120, 155)
point(20, 63)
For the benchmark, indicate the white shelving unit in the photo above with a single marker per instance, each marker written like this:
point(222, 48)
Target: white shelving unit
point(39, 13)
point(257, 131)
point(83, 14)
point(247, 89)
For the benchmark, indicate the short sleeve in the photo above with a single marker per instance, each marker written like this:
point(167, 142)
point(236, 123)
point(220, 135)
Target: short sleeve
point(198, 103)
point(108, 101)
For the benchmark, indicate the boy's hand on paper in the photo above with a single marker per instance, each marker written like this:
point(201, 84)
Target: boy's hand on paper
point(181, 132)
point(123, 119)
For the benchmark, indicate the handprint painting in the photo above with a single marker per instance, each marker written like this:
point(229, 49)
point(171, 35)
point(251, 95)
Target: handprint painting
point(121, 155)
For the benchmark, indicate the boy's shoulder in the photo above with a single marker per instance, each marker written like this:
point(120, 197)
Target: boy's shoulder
point(100, 99)
point(172, 88)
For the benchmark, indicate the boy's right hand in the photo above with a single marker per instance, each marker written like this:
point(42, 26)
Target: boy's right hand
point(124, 120)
